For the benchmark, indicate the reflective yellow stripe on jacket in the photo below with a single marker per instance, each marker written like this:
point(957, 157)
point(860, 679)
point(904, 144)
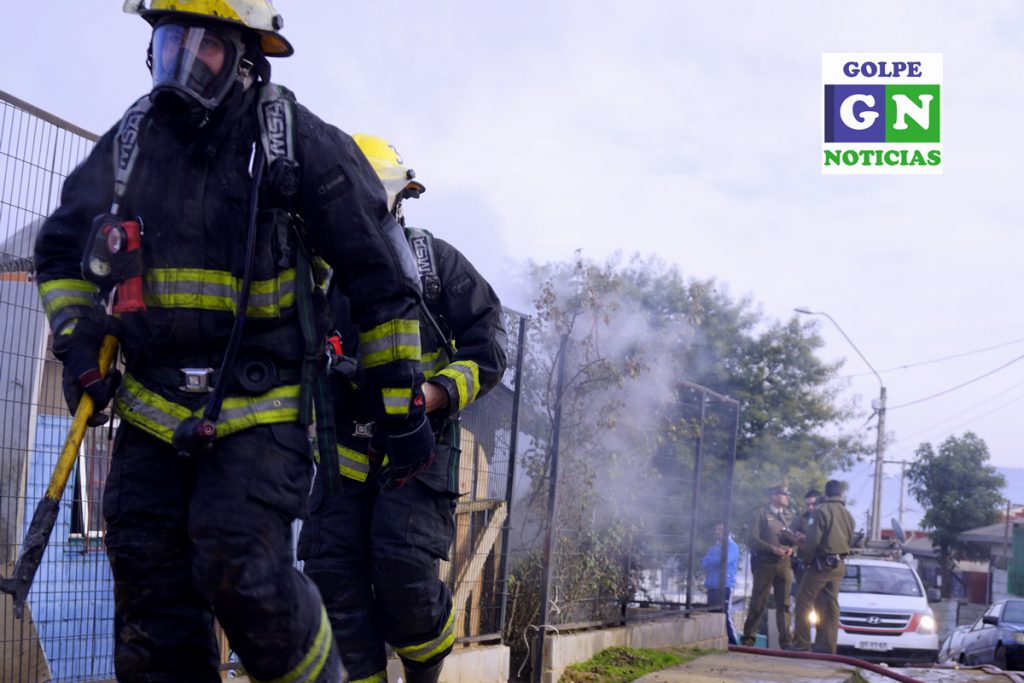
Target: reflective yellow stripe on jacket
point(309, 668)
point(422, 652)
point(433, 362)
point(466, 375)
point(217, 290)
point(156, 415)
point(351, 463)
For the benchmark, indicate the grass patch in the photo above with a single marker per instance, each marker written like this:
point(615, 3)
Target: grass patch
point(623, 664)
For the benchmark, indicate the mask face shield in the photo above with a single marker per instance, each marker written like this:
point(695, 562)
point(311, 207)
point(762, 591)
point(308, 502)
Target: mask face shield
point(194, 62)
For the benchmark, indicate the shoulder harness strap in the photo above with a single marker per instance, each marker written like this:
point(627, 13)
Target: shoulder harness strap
point(276, 113)
point(126, 148)
point(422, 244)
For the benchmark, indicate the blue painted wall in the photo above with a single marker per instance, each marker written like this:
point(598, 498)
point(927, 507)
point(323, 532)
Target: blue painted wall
point(72, 597)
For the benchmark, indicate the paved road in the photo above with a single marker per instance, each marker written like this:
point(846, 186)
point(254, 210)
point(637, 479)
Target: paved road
point(740, 667)
point(949, 675)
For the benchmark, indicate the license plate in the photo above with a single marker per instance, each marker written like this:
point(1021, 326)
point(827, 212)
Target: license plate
point(874, 645)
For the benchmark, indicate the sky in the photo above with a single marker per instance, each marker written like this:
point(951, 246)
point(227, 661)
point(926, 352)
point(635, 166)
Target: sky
point(683, 129)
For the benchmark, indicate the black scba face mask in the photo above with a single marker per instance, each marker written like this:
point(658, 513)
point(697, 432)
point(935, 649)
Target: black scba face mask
point(194, 68)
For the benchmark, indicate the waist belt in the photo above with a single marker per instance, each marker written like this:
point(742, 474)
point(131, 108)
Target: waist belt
point(203, 380)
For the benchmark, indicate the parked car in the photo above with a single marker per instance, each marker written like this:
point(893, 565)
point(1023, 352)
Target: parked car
point(998, 637)
point(952, 647)
point(884, 614)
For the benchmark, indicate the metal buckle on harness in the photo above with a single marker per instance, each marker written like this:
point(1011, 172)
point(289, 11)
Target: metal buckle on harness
point(363, 429)
point(196, 380)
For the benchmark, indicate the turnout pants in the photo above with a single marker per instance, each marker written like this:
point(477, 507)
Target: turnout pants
point(374, 555)
point(193, 538)
point(774, 577)
point(820, 590)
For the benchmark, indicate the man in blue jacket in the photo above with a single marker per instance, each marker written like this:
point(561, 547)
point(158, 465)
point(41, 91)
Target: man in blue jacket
point(711, 565)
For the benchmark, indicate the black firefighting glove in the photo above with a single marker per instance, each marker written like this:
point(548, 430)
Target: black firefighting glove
point(409, 453)
point(408, 443)
point(79, 350)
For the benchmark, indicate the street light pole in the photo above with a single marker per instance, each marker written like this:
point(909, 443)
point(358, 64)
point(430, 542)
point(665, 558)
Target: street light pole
point(875, 532)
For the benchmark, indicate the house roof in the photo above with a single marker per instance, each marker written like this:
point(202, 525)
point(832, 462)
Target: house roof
point(993, 534)
point(920, 546)
point(16, 250)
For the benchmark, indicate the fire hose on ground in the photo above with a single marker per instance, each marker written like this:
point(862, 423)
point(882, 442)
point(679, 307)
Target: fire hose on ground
point(859, 663)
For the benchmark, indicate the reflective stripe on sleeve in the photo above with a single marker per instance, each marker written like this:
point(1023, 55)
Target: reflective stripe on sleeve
point(390, 341)
point(466, 375)
point(432, 362)
point(66, 299)
point(396, 401)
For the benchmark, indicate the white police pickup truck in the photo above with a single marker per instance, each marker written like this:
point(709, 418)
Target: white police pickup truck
point(884, 614)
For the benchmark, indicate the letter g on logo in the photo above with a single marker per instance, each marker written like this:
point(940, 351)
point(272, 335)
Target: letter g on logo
point(850, 118)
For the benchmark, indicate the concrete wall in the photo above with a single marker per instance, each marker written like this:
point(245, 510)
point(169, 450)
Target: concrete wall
point(699, 630)
point(473, 664)
point(946, 615)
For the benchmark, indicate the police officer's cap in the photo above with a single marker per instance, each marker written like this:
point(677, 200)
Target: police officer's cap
point(779, 490)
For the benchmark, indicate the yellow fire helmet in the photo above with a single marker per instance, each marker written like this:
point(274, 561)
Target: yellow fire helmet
point(392, 171)
point(255, 15)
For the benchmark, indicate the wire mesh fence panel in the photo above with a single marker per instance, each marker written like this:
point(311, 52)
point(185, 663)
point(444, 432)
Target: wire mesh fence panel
point(66, 634)
point(638, 546)
point(691, 495)
point(475, 572)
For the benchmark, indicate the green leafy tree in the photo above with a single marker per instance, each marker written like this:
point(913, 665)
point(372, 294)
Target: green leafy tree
point(636, 337)
point(959, 490)
point(791, 413)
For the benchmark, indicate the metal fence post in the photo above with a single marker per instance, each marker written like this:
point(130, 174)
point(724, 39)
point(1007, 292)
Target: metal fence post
point(549, 541)
point(512, 446)
point(695, 502)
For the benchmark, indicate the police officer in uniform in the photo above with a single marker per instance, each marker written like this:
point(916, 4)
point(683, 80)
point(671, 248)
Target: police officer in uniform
point(769, 559)
point(211, 463)
point(373, 548)
point(799, 529)
point(829, 533)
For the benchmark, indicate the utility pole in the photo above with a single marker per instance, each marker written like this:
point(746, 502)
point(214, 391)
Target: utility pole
point(876, 501)
point(875, 530)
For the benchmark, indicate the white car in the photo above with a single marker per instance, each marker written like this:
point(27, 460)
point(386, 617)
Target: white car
point(884, 614)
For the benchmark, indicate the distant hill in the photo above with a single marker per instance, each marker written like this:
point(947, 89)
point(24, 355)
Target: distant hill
point(859, 495)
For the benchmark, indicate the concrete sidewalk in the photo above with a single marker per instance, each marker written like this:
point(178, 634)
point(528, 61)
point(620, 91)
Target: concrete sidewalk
point(739, 667)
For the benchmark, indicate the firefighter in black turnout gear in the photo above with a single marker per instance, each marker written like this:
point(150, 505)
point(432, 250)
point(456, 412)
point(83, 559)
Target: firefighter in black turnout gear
point(373, 548)
point(212, 461)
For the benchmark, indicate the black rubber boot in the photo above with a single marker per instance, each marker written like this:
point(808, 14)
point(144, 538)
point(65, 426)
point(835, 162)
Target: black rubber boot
point(431, 674)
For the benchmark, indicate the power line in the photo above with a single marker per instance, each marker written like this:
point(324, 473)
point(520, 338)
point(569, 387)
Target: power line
point(965, 411)
point(959, 386)
point(937, 360)
point(975, 419)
